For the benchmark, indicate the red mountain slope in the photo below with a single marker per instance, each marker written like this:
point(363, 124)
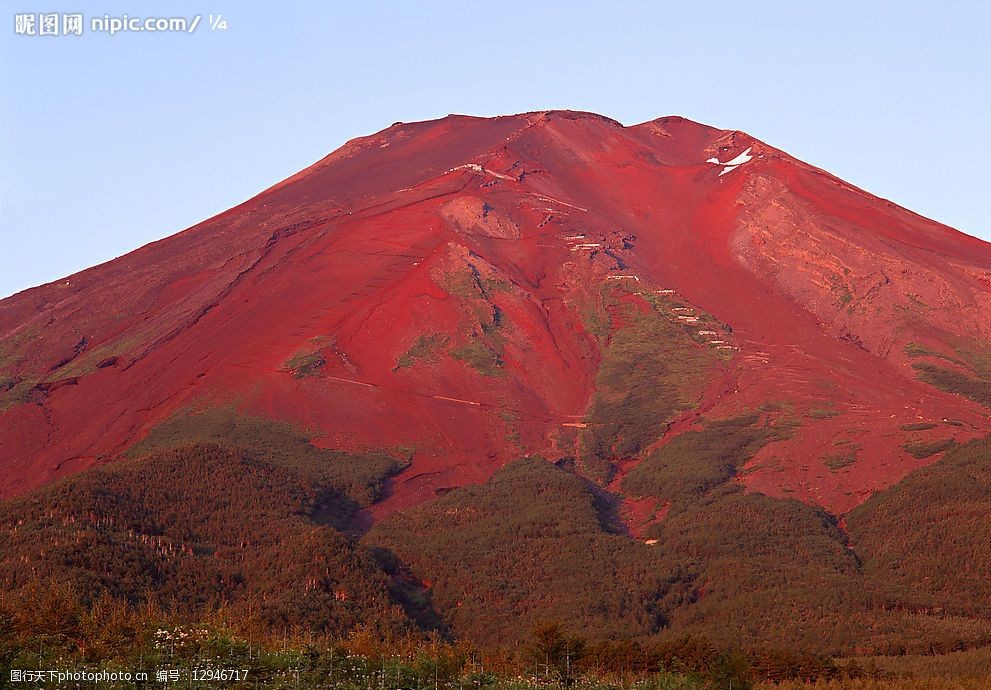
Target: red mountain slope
point(437, 286)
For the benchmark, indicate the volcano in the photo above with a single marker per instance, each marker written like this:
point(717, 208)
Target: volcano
point(663, 313)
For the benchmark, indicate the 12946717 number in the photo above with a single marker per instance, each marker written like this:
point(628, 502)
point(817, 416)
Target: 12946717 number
point(223, 674)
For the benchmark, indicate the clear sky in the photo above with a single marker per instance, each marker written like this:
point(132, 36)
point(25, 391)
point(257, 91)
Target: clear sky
point(110, 142)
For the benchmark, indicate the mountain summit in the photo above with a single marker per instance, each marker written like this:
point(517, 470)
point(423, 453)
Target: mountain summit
point(666, 312)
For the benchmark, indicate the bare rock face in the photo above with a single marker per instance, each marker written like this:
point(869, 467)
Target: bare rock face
point(476, 217)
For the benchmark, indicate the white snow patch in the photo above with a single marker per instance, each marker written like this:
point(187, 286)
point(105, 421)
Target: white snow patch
point(734, 163)
point(741, 159)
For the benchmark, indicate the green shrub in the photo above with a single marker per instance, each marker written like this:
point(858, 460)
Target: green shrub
point(479, 357)
point(822, 413)
point(423, 350)
point(840, 460)
point(917, 426)
point(305, 364)
point(920, 449)
point(977, 389)
point(917, 350)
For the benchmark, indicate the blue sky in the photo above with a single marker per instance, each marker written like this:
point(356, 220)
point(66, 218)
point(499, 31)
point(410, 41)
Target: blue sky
point(110, 142)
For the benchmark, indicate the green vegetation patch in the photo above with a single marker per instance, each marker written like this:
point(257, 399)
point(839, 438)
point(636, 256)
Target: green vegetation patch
point(929, 535)
point(917, 426)
point(970, 376)
point(782, 572)
point(479, 356)
point(769, 566)
point(511, 419)
point(89, 360)
point(469, 283)
point(776, 406)
point(16, 347)
point(529, 545)
point(461, 283)
point(837, 461)
point(919, 350)
point(424, 349)
point(485, 343)
point(358, 475)
point(203, 527)
point(16, 391)
point(303, 364)
point(652, 369)
point(695, 462)
point(595, 320)
point(841, 291)
point(921, 449)
point(233, 533)
point(977, 389)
